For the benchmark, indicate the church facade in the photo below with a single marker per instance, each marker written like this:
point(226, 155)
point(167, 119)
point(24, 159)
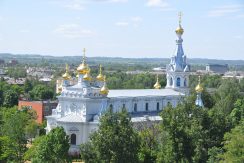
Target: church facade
point(81, 105)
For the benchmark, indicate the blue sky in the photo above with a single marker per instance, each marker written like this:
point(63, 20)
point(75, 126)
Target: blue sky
point(122, 28)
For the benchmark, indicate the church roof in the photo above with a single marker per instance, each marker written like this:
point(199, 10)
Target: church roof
point(71, 118)
point(143, 92)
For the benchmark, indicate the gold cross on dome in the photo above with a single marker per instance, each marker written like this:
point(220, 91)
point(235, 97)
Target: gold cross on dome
point(180, 17)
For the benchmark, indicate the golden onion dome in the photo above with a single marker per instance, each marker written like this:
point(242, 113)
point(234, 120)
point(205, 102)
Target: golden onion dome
point(104, 90)
point(199, 88)
point(87, 76)
point(83, 67)
point(157, 84)
point(179, 30)
point(66, 75)
point(100, 76)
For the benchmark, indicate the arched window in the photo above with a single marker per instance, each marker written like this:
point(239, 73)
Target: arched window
point(135, 107)
point(146, 107)
point(171, 81)
point(178, 82)
point(185, 83)
point(73, 139)
point(111, 106)
point(157, 105)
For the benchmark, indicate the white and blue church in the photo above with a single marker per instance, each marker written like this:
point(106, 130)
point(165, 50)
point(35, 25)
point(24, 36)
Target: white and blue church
point(81, 105)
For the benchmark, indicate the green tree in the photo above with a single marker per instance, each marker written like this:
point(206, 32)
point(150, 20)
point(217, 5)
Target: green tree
point(234, 145)
point(5, 148)
point(10, 98)
point(41, 92)
point(50, 148)
point(184, 135)
point(149, 134)
point(27, 86)
point(13, 127)
point(1, 97)
point(115, 140)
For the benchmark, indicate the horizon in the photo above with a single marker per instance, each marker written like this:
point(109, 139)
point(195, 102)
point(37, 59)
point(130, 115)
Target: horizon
point(119, 28)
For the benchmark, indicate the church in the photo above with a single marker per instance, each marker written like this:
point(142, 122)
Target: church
point(81, 105)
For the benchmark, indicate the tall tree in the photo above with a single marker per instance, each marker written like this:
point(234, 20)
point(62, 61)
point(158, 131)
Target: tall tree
point(41, 92)
point(234, 145)
point(115, 140)
point(10, 98)
point(184, 134)
point(50, 148)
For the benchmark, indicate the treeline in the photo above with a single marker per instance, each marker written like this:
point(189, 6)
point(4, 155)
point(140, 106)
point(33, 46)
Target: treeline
point(31, 90)
point(187, 133)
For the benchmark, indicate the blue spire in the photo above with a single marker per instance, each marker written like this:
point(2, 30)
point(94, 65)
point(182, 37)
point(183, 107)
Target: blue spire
point(178, 60)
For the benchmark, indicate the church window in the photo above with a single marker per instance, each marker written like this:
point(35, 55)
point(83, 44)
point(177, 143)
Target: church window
point(178, 82)
point(111, 106)
point(135, 107)
point(185, 83)
point(171, 81)
point(146, 106)
point(73, 139)
point(157, 105)
point(123, 106)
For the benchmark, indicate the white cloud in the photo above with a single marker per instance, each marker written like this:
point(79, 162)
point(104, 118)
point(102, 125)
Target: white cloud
point(134, 21)
point(159, 3)
point(122, 24)
point(224, 10)
point(75, 6)
point(24, 31)
point(111, 1)
point(73, 31)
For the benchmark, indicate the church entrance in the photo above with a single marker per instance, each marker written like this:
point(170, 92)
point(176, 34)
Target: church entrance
point(73, 139)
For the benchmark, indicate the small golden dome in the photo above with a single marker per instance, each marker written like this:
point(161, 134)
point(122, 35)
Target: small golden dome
point(87, 76)
point(104, 90)
point(157, 84)
point(66, 75)
point(100, 75)
point(83, 67)
point(199, 88)
point(179, 30)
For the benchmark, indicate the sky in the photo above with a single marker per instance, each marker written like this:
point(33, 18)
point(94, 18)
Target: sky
point(122, 28)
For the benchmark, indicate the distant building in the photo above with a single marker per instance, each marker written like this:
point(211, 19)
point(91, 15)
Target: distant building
point(12, 62)
point(42, 108)
point(2, 73)
point(217, 68)
point(2, 61)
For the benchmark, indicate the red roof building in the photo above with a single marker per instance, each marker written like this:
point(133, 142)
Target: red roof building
point(42, 108)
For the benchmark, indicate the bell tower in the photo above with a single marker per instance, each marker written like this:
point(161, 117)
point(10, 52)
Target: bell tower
point(178, 69)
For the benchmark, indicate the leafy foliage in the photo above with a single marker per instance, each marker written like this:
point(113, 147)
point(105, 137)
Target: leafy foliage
point(115, 140)
point(50, 148)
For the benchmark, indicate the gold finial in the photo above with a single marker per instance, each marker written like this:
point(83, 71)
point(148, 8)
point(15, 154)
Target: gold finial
point(100, 75)
point(157, 84)
point(104, 90)
point(66, 75)
point(83, 67)
point(67, 67)
point(87, 76)
point(84, 55)
point(199, 88)
point(179, 30)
